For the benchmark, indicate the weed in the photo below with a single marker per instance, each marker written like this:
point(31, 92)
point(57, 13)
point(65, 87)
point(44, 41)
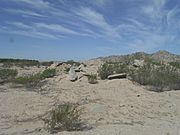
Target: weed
point(48, 73)
point(33, 80)
point(175, 64)
point(65, 117)
point(92, 79)
point(111, 68)
point(8, 74)
point(161, 78)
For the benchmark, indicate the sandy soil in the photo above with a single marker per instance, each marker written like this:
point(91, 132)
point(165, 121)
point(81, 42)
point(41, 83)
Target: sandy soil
point(111, 107)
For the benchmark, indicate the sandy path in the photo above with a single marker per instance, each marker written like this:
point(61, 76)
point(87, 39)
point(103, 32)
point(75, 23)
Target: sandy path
point(116, 107)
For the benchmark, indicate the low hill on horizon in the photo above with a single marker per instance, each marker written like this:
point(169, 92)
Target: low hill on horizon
point(158, 56)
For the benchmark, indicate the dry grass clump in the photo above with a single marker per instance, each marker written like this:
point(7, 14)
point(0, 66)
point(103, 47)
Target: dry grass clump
point(160, 78)
point(111, 68)
point(65, 117)
point(33, 80)
point(175, 64)
point(7, 75)
point(92, 79)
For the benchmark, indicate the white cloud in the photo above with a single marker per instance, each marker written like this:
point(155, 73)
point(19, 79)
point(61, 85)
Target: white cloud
point(97, 20)
point(19, 25)
point(55, 28)
point(41, 29)
point(142, 27)
point(29, 33)
point(173, 18)
point(155, 10)
point(40, 4)
point(24, 12)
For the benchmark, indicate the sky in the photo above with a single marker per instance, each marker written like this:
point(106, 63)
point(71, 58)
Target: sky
point(85, 29)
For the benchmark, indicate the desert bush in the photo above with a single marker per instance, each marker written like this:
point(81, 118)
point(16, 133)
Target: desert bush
point(33, 80)
point(161, 78)
point(48, 73)
point(7, 64)
point(8, 74)
point(66, 70)
point(111, 68)
point(175, 64)
point(65, 117)
point(92, 79)
point(29, 81)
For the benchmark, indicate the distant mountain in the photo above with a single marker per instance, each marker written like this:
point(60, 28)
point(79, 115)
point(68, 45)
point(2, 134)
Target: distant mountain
point(158, 56)
point(165, 56)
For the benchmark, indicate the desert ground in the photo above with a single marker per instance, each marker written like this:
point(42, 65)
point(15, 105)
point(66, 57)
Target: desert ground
point(110, 107)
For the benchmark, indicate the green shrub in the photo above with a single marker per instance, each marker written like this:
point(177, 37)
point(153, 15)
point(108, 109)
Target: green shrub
point(67, 69)
point(161, 78)
point(65, 117)
point(48, 73)
point(7, 64)
point(92, 79)
point(29, 81)
point(8, 74)
point(175, 64)
point(33, 80)
point(111, 68)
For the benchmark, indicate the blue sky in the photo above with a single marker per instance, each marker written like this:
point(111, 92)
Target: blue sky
point(83, 29)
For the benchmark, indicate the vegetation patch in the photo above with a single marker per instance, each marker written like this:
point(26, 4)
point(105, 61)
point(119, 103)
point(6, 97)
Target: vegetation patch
point(92, 79)
point(48, 73)
point(175, 64)
point(66, 70)
point(33, 80)
point(8, 74)
point(158, 76)
point(19, 62)
point(161, 78)
point(111, 68)
point(65, 117)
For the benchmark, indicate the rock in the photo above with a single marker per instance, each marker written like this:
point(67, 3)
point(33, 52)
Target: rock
point(80, 68)
point(117, 76)
point(77, 69)
point(138, 63)
point(72, 74)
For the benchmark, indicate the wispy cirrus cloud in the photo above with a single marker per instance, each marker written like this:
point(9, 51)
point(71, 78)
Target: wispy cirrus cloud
point(24, 12)
point(53, 31)
point(136, 24)
point(55, 28)
point(39, 4)
point(98, 21)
